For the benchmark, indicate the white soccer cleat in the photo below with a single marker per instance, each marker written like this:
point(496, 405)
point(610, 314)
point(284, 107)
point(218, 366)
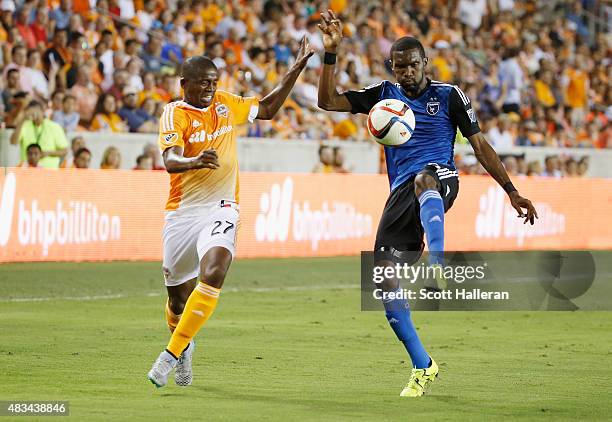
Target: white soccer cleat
point(184, 372)
point(162, 367)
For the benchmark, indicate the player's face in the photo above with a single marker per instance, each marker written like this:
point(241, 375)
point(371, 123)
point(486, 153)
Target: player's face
point(200, 90)
point(409, 68)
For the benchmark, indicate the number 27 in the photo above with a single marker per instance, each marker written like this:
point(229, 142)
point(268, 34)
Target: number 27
point(217, 227)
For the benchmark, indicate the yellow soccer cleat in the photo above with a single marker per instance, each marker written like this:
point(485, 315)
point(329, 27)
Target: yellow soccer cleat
point(420, 380)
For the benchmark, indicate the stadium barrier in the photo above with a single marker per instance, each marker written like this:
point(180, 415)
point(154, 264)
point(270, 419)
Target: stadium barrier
point(298, 155)
point(91, 215)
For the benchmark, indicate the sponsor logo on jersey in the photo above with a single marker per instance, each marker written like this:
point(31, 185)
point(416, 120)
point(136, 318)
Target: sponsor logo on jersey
point(433, 107)
point(196, 123)
point(222, 110)
point(202, 136)
point(170, 138)
point(197, 137)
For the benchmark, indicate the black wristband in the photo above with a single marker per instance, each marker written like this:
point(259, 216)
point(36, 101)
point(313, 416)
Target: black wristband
point(329, 58)
point(509, 187)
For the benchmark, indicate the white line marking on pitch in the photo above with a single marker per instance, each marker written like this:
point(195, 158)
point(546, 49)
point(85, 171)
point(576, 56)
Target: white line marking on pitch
point(156, 294)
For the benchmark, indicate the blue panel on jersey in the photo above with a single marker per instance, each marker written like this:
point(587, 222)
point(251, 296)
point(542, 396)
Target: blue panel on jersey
point(434, 133)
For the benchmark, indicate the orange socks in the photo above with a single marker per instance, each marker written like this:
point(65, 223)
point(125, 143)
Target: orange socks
point(199, 307)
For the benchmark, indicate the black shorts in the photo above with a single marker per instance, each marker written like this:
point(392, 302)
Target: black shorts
point(400, 226)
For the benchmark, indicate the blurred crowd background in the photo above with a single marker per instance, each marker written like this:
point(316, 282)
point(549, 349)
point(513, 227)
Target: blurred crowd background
point(537, 72)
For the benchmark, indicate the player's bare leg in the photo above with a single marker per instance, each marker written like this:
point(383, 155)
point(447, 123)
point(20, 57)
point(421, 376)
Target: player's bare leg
point(197, 309)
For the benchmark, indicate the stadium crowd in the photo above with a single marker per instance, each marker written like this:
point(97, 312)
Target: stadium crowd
point(537, 74)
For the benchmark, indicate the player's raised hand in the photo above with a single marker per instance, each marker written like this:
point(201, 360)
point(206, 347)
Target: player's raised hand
point(304, 53)
point(332, 31)
point(518, 203)
point(207, 159)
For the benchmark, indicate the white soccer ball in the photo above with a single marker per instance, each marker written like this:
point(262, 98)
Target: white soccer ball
point(391, 122)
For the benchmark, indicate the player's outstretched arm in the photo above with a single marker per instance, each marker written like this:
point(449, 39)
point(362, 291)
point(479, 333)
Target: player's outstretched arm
point(329, 98)
point(489, 159)
point(271, 103)
point(175, 162)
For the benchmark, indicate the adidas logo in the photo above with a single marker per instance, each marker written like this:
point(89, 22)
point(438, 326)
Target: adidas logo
point(196, 123)
point(198, 313)
point(435, 218)
point(393, 321)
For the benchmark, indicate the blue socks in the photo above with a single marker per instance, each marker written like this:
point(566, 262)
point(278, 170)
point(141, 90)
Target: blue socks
point(432, 219)
point(398, 315)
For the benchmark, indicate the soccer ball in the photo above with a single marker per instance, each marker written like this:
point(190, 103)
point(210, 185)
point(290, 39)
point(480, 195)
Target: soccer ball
point(391, 122)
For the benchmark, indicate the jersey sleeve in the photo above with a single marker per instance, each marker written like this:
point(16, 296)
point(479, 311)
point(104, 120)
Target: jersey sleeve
point(363, 100)
point(172, 125)
point(461, 112)
point(243, 109)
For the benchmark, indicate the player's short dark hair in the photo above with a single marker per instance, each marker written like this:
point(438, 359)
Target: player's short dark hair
point(33, 146)
point(12, 70)
point(407, 43)
point(322, 147)
point(196, 64)
point(81, 151)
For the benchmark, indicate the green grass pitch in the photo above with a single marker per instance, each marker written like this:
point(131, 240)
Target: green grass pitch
point(287, 342)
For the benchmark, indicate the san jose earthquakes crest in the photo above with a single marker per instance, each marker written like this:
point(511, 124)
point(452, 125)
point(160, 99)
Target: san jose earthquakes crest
point(432, 108)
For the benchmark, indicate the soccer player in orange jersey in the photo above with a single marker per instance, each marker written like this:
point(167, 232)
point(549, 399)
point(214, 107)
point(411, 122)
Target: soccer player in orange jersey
point(198, 140)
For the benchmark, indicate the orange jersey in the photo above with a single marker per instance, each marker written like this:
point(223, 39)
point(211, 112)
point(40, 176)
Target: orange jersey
point(196, 130)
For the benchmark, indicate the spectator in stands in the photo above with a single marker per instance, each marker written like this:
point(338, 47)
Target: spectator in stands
point(86, 95)
point(36, 129)
point(106, 118)
point(22, 23)
point(571, 168)
point(41, 87)
point(76, 144)
point(511, 165)
point(137, 119)
point(58, 49)
point(551, 167)
point(19, 59)
point(67, 117)
point(326, 160)
point(111, 159)
point(144, 162)
point(40, 28)
point(33, 155)
point(583, 166)
point(13, 86)
point(19, 103)
point(534, 168)
point(61, 14)
point(152, 151)
point(120, 82)
point(339, 161)
point(82, 159)
point(511, 75)
point(500, 135)
point(151, 56)
point(57, 98)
